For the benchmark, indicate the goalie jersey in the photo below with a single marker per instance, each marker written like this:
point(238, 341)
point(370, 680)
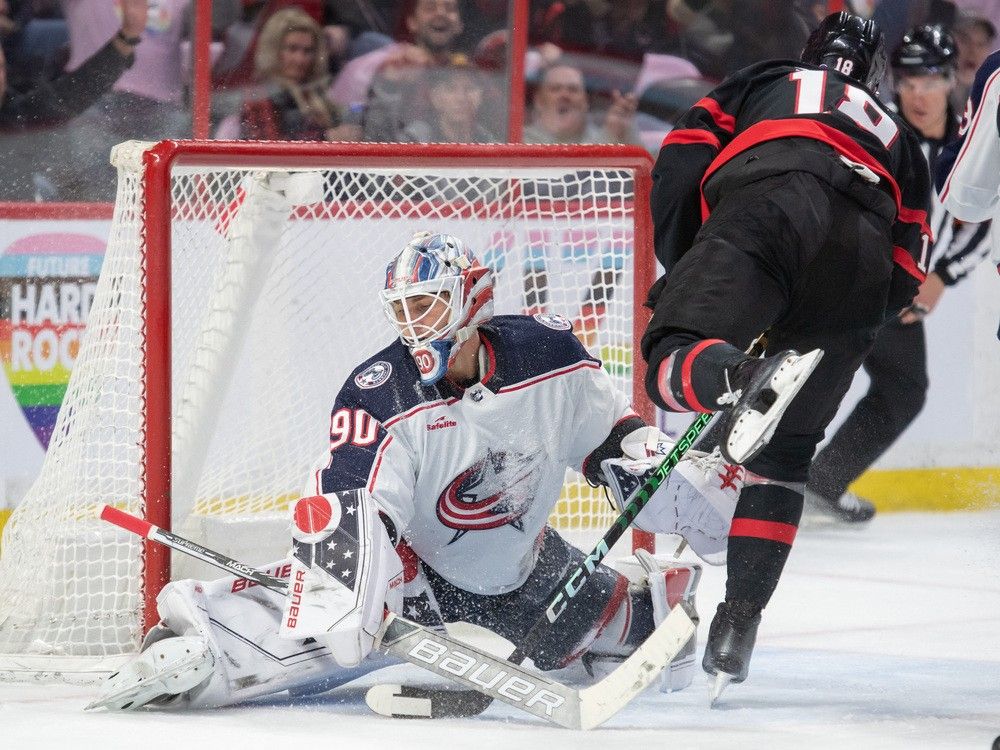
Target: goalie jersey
point(469, 476)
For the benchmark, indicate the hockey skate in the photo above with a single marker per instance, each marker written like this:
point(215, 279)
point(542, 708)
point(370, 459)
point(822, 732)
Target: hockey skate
point(761, 390)
point(164, 670)
point(847, 509)
point(731, 639)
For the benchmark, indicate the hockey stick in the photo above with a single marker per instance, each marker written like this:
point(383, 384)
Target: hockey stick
point(417, 702)
point(454, 660)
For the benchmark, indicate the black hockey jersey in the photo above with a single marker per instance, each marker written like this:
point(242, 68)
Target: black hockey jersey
point(783, 99)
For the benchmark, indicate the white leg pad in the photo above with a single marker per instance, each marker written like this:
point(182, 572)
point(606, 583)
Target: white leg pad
point(165, 669)
point(672, 584)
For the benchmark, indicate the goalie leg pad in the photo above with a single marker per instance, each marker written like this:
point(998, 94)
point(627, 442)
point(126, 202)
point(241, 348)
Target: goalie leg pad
point(165, 669)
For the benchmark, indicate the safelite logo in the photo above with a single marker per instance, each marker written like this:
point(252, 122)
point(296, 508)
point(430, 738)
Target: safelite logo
point(441, 423)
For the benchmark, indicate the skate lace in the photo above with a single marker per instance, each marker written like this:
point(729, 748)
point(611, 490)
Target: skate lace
point(731, 396)
point(708, 463)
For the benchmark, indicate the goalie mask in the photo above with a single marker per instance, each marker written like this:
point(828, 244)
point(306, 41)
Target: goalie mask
point(436, 295)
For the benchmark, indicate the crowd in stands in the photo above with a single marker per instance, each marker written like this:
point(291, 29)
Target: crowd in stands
point(82, 75)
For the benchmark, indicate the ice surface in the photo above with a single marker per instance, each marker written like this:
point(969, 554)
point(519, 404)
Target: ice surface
point(887, 637)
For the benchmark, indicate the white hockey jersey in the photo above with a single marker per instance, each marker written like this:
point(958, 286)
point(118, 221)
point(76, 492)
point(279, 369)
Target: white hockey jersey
point(469, 477)
point(968, 170)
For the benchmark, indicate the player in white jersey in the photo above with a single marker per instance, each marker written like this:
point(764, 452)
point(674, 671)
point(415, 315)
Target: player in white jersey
point(448, 450)
point(968, 172)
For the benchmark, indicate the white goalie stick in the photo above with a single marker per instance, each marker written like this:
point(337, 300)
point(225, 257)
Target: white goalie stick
point(454, 660)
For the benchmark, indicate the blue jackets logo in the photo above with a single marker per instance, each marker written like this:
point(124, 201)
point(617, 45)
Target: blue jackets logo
point(374, 375)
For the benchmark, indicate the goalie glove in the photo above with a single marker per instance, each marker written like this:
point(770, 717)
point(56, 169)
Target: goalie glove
point(697, 501)
point(345, 574)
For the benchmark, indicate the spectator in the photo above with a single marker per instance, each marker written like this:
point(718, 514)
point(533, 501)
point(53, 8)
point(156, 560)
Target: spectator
point(146, 103)
point(974, 38)
point(357, 27)
point(389, 80)
point(632, 28)
point(561, 111)
point(51, 103)
point(292, 62)
point(455, 94)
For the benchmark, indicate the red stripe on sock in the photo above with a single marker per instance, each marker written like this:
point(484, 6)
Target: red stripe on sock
point(772, 530)
point(686, 366)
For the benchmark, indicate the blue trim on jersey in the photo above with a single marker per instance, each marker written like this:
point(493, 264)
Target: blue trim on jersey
point(950, 152)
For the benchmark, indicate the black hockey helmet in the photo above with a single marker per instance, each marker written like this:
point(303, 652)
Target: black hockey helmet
point(850, 44)
point(925, 50)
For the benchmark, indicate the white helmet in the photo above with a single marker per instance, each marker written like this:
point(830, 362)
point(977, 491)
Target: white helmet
point(441, 268)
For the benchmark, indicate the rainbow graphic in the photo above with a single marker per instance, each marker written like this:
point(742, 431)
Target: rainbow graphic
point(47, 284)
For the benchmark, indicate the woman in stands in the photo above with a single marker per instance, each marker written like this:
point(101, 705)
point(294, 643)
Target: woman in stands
point(291, 62)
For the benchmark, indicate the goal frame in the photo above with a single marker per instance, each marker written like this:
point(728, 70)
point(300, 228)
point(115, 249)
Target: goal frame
point(158, 163)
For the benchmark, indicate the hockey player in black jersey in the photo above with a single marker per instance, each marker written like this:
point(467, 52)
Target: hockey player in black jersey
point(788, 200)
point(923, 67)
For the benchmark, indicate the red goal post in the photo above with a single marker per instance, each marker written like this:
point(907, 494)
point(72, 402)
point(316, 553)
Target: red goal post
point(216, 312)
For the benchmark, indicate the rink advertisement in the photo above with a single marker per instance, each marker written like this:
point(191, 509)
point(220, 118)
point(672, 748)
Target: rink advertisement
point(48, 274)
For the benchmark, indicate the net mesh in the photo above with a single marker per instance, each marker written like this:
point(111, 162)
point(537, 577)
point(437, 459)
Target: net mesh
point(273, 304)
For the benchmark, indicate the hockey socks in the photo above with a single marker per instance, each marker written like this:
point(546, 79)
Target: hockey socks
point(760, 539)
point(694, 376)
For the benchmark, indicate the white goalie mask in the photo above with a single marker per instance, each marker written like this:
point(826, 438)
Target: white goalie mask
point(436, 295)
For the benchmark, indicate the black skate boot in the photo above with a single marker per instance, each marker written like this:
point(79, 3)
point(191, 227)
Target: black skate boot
point(760, 391)
point(847, 509)
point(731, 638)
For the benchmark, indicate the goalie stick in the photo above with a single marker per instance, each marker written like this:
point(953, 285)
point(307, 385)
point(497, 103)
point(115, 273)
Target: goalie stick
point(545, 698)
point(417, 702)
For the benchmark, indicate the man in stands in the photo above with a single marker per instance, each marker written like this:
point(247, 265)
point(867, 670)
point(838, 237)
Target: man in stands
point(923, 68)
point(561, 112)
point(452, 482)
point(388, 80)
point(787, 201)
point(55, 102)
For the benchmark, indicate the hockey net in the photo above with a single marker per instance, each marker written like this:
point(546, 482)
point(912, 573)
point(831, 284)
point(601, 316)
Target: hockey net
point(225, 322)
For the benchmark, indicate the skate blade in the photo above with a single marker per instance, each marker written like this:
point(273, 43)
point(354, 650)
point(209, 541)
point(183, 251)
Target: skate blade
point(722, 681)
point(736, 447)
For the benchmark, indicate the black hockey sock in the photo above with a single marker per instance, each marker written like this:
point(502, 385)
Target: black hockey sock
point(688, 373)
point(760, 539)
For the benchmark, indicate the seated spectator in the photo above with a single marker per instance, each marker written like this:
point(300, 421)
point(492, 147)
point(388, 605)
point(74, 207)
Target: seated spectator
point(389, 81)
point(456, 94)
point(292, 63)
point(974, 37)
point(561, 110)
point(55, 102)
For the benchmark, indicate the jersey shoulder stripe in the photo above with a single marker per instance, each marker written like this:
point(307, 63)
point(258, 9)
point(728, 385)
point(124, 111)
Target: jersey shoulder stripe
point(522, 348)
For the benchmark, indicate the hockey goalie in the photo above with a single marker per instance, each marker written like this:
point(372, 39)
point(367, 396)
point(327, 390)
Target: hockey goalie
point(448, 450)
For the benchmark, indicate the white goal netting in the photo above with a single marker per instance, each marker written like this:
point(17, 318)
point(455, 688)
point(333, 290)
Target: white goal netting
point(273, 303)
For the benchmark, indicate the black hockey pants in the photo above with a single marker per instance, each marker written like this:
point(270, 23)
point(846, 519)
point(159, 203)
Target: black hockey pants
point(812, 265)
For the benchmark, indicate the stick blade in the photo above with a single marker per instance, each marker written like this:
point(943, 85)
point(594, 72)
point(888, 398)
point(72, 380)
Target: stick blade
point(600, 702)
